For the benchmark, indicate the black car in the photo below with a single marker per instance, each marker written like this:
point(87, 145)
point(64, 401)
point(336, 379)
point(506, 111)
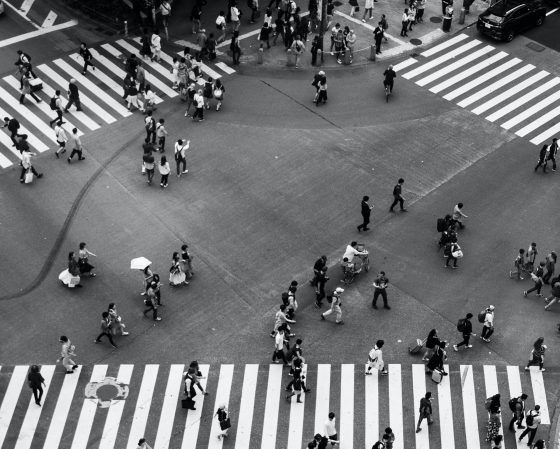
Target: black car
point(505, 19)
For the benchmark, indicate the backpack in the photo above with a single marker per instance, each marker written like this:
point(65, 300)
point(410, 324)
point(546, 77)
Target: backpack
point(530, 418)
point(286, 298)
point(482, 316)
point(513, 403)
point(52, 104)
point(461, 325)
point(440, 225)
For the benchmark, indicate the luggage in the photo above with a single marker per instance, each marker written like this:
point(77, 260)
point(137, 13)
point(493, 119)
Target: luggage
point(437, 376)
point(416, 346)
point(187, 403)
point(482, 316)
point(36, 84)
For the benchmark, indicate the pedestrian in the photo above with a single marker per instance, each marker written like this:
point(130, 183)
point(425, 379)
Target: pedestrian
point(146, 50)
point(404, 22)
point(496, 442)
point(420, 6)
point(27, 166)
point(432, 340)
point(458, 215)
point(66, 354)
point(298, 48)
point(87, 57)
point(264, 36)
point(552, 151)
point(329, 429)
point(488, 328)
point(280, 318)
point(378, 35)
point(36, 382)
point(519, 264)
point(148, 162)
point(532, 419)
point(368, 8)
point(354, 7)
point(13, 126)
point(73, 96)
point(207, 92)
point(235, 18)
point(132, 96)
point(437, 359)
point(531, 255)
point(349, 43)
point(537, 354)
point(336, 304)
point(411, 15)
point(224, 420)
point(316, 45)
point(165, 11)
point(221, 26)
point(280, 26)
point(425, 411)
point(142, 444)
point(150, 125)
point(61, 139)
point(76, 146)
point(152, 301)
point(155, 46)
point(397, 196)
point(177, 276)
point(550, 266)
point(161, 132)
point(180, 156)
point(492, 405)
point(464, 326)
point(375, 359)
point(117, 325)
point(543, 160)
point(219, 90)
point(190, 92)
point(555, 294)
point(189, 383)
point(339, 45)
point(315, 83)
point(74, 270)
point(322, 94)
point(452, 252)
point(199, 104)
point(494, 420)
point(56, 105)
point(279, 341)
point(537, 278)
point(296, 387)
point(83, 263)
point(380, 286)
point(22, 144)
point(186, 259)
point(26, 90)
point(140, 77)
point(517, 406)
point(24, 60)
point(105, 330)
point(164, 170)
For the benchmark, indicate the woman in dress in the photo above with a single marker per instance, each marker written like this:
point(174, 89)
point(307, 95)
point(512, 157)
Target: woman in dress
point(83, 255)
point(431, 342)
point(177, 276)
point(219, 90)
point(117, 326)
point(437, 359)
point(223, 418)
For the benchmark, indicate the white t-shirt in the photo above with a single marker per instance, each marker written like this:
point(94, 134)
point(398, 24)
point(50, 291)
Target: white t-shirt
point(350, 253)
point(234, 14)
point(330, 427)
point(279, 341)
point(221, 22)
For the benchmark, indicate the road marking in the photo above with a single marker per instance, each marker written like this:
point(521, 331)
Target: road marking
point(419, 391)
point(491, 384)
point(469, 407)
point(190, 45)
point(192, 422)
point(369, 27)
point(270, 421)
point(295, 425)
point(346, 422)
point(26, 6)
point(404, 65)
point(539, 394)
point(445, 411)
point(322, 401)
point(552, 11)
point(432, 51)
point(226, 68)
point(532, 110)
point(222, 398)
point(169, 407)
point(515, 391)
point(31, 139)
point(247, 407)
point(4, 161)
point(395, 404)
point(143, 404)
point(545, 135)
point(49, 20)
point(540, 121)
point(21, 14)
point(372, 407)
point(36, 33)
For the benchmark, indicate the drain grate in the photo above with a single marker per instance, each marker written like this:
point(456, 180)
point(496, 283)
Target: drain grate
point(435, 19)
point(415, 41)
point(534, 46)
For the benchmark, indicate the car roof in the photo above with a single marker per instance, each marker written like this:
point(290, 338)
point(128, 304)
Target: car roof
point(503, 7)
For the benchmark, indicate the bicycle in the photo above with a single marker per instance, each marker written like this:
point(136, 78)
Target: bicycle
point(387, 90)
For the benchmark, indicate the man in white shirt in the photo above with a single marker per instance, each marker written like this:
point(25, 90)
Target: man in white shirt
point(61, 139)
point(181, 156)
point(488, 328)
point(351, 251)
point(235, 17)
point(76, 145)
point(26, 165)
point(221, 26)
point(375, 359)
point(329, 429)
point(458, 215)
point(279, 347)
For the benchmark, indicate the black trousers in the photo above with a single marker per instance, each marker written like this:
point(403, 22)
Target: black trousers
point(23, 170)
point(154, 314)
point(531, 432)
point(279, 355)
point(86, 63)
point(161, 144)
point(553, 159)
point(397, 199)
point(547, 276)
point(58, 116)
point(542, 163)
point(109, 336)
point(75, 151)
point(404, 28)
point(72, 101)
point(377, 46)
point(449, 259)
point(320, 293)
point(465, 342)
point(537, 288)
point(487, 332)
point(376, 293)
point(365, 222)
point(37, 393)
point(180, 161)
point(150, 137)
point(515, 418)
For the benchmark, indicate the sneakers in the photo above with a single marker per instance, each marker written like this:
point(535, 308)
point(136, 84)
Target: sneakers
point(384, 372)
point(322, 317)
point(525, 294)
point(185, 171)
point(158, 319)
point(455, 348)
point(125, 333)
point(469, 346)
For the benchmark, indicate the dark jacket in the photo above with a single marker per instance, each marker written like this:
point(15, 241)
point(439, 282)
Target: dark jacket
point(366, 211)
point(73, 91)
point(35, 379)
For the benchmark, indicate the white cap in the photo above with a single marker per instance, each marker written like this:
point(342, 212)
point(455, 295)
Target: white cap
point(339, 290)
point(491, 307)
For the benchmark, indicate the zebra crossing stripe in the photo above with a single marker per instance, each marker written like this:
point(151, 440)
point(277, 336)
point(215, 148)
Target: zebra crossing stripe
point(469, 407)
point(447, 434)
point(432, 51)
point(222, 398)
point(169, 407)
point(545, 135)
point(226, 68)
point(403, 65)
point(346, 422)
point(143, 404)
point(192, 421)
point(247, 407)
point(419, 390)
point(295, 426)
point(515, 390)
point(539, 395)
point(322, 396)
point(4, 161)
point(395, 404)
point(270, 422)
point(371, 408)
point(7, 142)
point(540, 121)
point(491, 385)
point(531, 110)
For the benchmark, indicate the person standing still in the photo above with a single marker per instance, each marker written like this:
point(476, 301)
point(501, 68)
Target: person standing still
point(36, 382)
point(537, 354)
point(550, 266)
point(488, 328)
point(76, 146)
point(73, 96)
point(105, 330)
point(378, 35)
point(161, 132)
point(380, 285)
point(397, 195)
point(148, 163)
point(366, 213)
point(404, 22)
point(465, 327)
point(425, 411)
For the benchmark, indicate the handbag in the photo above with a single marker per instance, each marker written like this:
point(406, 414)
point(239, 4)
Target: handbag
point(225, 424)
point(28, 176)
point(457, 254)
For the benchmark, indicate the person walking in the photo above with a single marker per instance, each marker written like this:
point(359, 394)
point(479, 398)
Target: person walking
point(143, 444)
point(532, 419)
point(375, 359)
point(152, 301)
point(56, 105)
point(26, 89)
point(437, 359)
point(550, 266)
point(465, 327)
point(366, 213)
point(74, 270)
point(164, 170)
point(87, 57)
point(26, 165)
point(13, 126)
point(537, 354)
point(425, 411)
point(432, 340)
point(219, 90)
point(221, 26)
point(552, 152)
point(554, 294)
point(368, 8)
point(494, 418)
point(420, 6)
point(537, 278)
point(207, 92)
point(132, 97)
point(76, 146)
point(61, 139)
point(280, 318)
point(149, 99)
point(543, 160)
point(198, 101)
point(335, 306)
point(36, 382)
point(66, 354)
point(397, 196)
point(517, 406)
point(404, 22)
point(105, 330)
point(83, 262)
point(73, 96)
point(458, 215)
point(380, 286)
point(279, 341)
point(329, 429)
point(378, 35)
point(224, 420)
point(155, 46)
point(181, 156)
point(488, 328)
point(161, 132)
point(148, 163)
point(531, 255)
point(117, 325)
point(150, 125)
point(296, 387)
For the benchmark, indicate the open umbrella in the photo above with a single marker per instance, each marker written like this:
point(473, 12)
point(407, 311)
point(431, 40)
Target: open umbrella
point(139, 263)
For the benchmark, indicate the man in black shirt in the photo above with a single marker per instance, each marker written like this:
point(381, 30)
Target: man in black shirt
point(397, 195)
point(466, 331)
point(366, 212)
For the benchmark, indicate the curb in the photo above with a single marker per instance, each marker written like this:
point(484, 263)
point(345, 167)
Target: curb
point(554, 432)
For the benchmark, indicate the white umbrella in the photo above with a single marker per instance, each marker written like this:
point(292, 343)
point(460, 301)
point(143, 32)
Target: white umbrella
point(139, 263)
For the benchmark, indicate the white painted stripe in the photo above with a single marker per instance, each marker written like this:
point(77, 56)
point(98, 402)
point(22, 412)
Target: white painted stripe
point(49, 20)
point(346, 422)
point(27, 431)
point(169, 407)
point(514, 381)
point(270, 421)
point(403, 65)
point(114, 415)
point(143, 404)
point(469, 407)
point(43, 106)
point(192, 424)
point(84, 99)
point(60, 414)
point(451, 67)
point(419, 391)
point(545, 135)
point(468, 72)
point(93, 88)
point(10, 400)
point(395, 404)
point(222, 398)
point(432, 51)
point(36, 33)
point(491, 383)
point(323, 393)
point(247, 407)
point(496, 85)
point(241, 37)
point(477, 82)
point(87, 415)
point(226, 68)
point(26, 6)
point(24, 111)
point(81, 116)
point(371, 408)
point(150, 78)
point(539, 394)
point(552, 11)
point(529, 96)
point(540, 121)
point(4, 161)
point(445, 410)
point(295, 427)
point(532, 110)
point(442, 59)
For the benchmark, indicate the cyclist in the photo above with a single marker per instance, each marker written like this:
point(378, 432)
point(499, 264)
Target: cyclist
point(389, 75)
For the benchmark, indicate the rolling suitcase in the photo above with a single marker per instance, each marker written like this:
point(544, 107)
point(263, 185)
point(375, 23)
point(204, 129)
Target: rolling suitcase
point(416, 346)
point(36, 84)
point(437, 376)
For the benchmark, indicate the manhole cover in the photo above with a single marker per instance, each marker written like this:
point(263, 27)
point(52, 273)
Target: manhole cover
point(415, 41)
point(534, 46)
point(435, 19)
point(107, 392)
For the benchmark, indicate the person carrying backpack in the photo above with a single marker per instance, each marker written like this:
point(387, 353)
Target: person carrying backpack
point(517, 406)
point(488, 328)
point(56, 105)
point(465, 327)
point(533, 419)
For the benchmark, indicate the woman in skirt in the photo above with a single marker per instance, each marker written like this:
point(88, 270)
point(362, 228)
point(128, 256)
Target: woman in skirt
point(494, 424)
point(177, 276)
point(117, 326)
point(219, 90)
point(223, 418)
point(83, 255)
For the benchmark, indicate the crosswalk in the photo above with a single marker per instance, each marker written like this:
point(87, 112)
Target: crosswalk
point(100, 94)
point(88, 409)
point(490, 83)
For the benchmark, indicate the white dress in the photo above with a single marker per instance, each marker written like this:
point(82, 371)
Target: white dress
point(177, 276)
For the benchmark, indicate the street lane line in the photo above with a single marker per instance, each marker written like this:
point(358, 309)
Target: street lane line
point(114, 415)
point(21, 14)
point(29, 426)
point(371, 407)
point(192, 423)
point(270, 421)
point(510, 92)
point(404, 65)
point(169, 406)
point(432, 51)
point(445, 410)
point(522, 100)
point(4, 161)
point(469, 407)
point(468, 72)
point(322, 397)
point(395, 404)
point(451, 67)
point(552, 11)
point(545, 135)
point(532, 110)
point(481, 79)
point(49, 20)
point(539, 395)
point(369, 27)
point(247, 407)
point(142, 408)
point(87, 415)
point(222, 398)
point(440, 60)
point(26, 6)
point(295, 425)
point(419, 391)
point(346, 422)
point(60, 413)
point(36, 33)
point(31, 139)
point(84, 99)
point(226, 68)
point(540, 121)
point(514, 381)
point(491, 384)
